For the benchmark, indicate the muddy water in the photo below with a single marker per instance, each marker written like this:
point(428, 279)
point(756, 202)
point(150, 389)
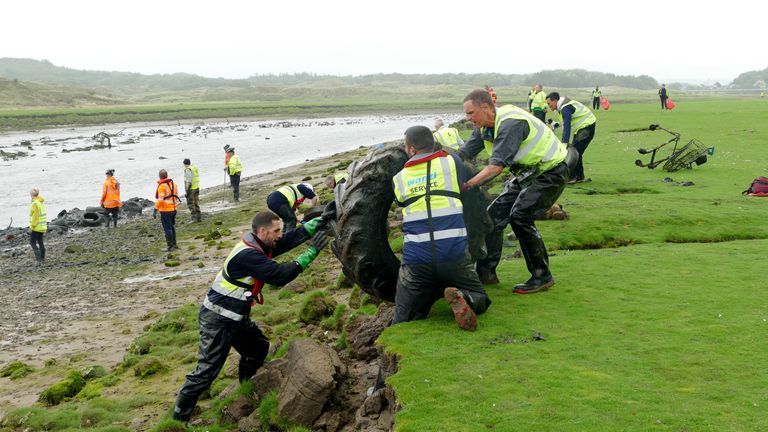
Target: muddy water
point(68, 178)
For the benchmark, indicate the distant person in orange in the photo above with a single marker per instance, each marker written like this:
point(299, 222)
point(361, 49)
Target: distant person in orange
point(166, 198)
point(110, 197)
point(491, 92)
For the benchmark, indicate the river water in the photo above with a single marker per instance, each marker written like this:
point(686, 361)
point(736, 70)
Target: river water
point(69, 179)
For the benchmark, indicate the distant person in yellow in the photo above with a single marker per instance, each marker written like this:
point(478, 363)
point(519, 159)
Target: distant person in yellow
point(38, 225)
point(332, 180)
point(539, 103)
point(110, 197)
point(530, 97)
point(762, 94)
point(192, 189)
point(596, 95)
point(234, 169)
point(447, 136)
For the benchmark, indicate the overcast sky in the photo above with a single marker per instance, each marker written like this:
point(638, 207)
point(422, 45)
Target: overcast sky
point(668, 40)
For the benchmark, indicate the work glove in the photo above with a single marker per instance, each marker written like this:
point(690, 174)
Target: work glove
point(311, 226)
point(329, 214)
point(154, 214)
point(318, 242)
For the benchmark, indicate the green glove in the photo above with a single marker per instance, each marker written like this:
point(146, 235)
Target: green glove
point(307, 257)
point(311, 226)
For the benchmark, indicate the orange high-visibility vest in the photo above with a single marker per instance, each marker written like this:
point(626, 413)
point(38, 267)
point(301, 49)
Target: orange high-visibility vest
point(165, 196)
point(110, 193)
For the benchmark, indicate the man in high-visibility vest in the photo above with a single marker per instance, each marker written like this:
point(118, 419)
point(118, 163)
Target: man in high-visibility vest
point(234, 169)
point(436, 262)
point(447, 136)
point(38, 225)
point(663, 96)
point(576, 118)
point(596, 95)
point(285, 200)
point(225, 314)
point(166, 198)
point(192, 189)
point(519, 141)
point(110, 197)
point(539, 103)
point(530, 98)
point(332, 180)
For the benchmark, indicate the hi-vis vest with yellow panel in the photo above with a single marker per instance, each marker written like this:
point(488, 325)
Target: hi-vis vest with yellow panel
point(581, 118)
point(234, 165)
point(448, 137)
point(597, 93)
point(340, 177)
point(293, 195)
point(433, 220)
point(231, 298)
point(195, 184)
point(42, 221)
point(540, 148)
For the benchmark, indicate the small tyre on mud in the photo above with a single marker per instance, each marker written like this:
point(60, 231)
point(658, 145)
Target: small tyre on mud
point(92, 219)
point(360, 228)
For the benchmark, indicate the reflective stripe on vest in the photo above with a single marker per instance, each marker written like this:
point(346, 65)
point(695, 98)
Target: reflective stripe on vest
point(111, 193)
point(432, 210)
point(581, 118)
point(234, 165)
point(195, 177)
point(448, 137)
point(230, 300)
point(42, 221)
point(292, 194)
point(541, 146)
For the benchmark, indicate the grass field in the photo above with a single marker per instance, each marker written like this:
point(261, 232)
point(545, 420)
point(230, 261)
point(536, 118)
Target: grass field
point(658, 320)
point(666, 332)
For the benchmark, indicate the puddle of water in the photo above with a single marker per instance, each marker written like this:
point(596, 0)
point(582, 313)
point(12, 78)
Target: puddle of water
point(74, 178)
point(153, 277)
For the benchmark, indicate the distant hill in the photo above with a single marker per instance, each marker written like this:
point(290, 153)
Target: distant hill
point(45, 71)
point(15, 93)
point(752, 79)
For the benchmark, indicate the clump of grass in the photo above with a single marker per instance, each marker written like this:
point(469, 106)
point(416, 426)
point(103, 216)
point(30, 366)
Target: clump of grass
point(148, 367)
point(335, 321)
point(16, 370)
point(66, 388)
point(315, 306)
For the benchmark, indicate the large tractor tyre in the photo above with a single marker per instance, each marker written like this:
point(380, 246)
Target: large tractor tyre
point(92, 219)
point(132, 207)
point(360, 227)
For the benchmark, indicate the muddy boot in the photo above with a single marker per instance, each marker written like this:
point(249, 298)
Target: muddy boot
point(168, 242)
point(462, 312)
point(237, 196)
point(173, 241)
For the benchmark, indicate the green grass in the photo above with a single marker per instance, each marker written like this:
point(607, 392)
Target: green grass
point(658, 318)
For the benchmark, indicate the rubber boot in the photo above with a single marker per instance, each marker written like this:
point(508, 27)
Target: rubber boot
point(237, 196)
point(173, 241)
point(198, 217)
point(169, 242)
point(486, 268)
point(115, 221)
point(184, 408)
point(536, 259)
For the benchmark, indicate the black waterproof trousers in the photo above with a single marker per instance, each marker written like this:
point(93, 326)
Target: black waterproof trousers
point(595, 102)
point(580, 142)
point(38, 247)
point(217, 335)
point(234, 180)
point(519, 206)
point(419, 286)
point(540, 114)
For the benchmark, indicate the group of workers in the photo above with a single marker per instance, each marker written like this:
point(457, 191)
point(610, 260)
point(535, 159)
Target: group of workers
point(435, 263)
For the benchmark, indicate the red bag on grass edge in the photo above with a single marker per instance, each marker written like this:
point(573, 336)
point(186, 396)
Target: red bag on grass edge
point(670, 104)
point(759, 187)
point(605, 104)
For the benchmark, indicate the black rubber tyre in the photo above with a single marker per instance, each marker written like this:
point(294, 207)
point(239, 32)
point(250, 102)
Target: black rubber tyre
point(94, 209)
point(360, 228)
point(92, 219)
point(312, 213)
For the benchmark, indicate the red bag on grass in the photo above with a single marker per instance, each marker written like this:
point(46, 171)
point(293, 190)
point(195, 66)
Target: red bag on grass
point(759, 187)
point(604, 103)
point(670, 104)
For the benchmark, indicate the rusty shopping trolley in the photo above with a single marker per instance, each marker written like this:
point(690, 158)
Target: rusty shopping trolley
point(684, 157)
